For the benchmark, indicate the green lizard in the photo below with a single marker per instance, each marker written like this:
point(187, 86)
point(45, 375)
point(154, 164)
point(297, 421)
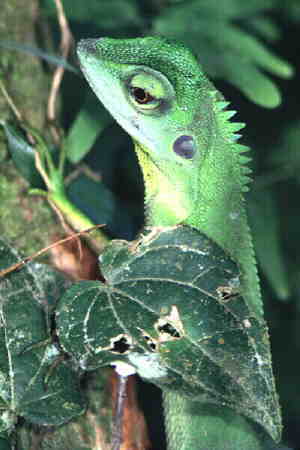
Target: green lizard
point(193, 168)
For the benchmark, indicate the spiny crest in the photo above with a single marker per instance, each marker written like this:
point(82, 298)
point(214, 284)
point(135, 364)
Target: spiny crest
point(230, 130)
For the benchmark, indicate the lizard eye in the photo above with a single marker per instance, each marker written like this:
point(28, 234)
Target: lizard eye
point(148, 91)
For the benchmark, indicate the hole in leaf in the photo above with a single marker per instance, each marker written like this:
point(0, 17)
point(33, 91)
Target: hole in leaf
point(121, 344)
point(169, 329)
point(150, 340)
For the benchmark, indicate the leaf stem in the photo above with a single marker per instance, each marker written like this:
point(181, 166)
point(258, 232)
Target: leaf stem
point(117, 433)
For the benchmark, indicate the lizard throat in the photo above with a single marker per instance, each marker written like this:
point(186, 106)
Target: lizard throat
point(165, 205)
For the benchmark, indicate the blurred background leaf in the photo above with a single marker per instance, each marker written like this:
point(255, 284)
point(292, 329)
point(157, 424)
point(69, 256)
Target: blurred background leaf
point(91, 120)
point(224, 48)
point(264, 222)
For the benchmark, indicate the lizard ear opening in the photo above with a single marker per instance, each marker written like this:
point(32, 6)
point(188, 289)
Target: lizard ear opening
point(185, 147)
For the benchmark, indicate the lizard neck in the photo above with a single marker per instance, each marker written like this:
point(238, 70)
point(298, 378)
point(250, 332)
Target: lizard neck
point(219, 207)
point(165, 203)
point(210, 200)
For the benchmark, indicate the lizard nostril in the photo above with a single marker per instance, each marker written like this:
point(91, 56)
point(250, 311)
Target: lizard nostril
point(87, 45)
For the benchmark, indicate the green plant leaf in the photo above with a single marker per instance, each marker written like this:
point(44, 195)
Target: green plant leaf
point(265, 27)
point(223, 48)
point(90, 121)
point(101, 206)
point(171, 308)
point(22, 153)
point(27, 353)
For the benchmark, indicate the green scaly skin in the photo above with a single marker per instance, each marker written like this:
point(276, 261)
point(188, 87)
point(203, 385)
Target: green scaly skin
point(157, 92)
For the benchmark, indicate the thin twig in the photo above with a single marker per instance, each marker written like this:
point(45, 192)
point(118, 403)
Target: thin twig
point(82, 169)
point(117, 433)
point(15, 111)
point(61, 218)
point(65, 46)
point(24, 261)
point(10, 102)
point(41, 170)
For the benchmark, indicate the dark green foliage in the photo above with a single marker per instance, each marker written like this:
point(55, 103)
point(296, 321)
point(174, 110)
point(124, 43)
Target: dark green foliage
point(31, 385)
point(102, 206)
point(226, 50)
point(264, 221)
point(22, 153)
point(285, 157)
point(5, 442)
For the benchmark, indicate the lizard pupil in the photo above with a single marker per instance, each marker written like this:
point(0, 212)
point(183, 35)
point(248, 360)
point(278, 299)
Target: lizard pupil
point(141, 96)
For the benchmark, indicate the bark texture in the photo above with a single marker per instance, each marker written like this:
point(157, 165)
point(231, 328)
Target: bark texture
point(24, 220)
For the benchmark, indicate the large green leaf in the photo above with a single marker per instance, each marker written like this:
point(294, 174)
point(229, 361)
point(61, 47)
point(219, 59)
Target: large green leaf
point(171, 308)
point(27, 353)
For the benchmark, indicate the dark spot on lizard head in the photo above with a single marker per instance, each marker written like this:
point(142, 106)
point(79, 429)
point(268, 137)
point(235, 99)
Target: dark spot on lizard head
point(185, 147)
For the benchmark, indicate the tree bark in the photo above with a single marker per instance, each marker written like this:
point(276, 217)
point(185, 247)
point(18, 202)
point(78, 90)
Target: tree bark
point(27, 222)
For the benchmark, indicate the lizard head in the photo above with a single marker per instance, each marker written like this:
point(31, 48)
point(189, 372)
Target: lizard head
point(156, 90)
